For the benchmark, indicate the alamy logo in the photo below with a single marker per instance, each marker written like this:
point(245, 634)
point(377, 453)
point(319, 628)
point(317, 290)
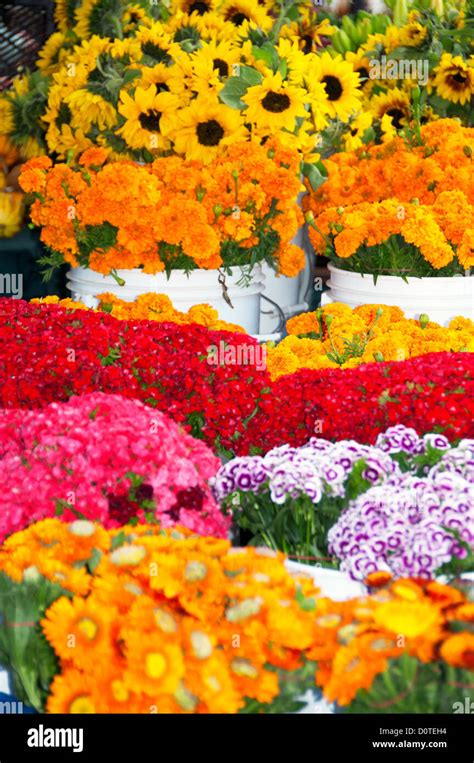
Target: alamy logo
point(11, 708)
point(12, 283)
point(401, 69)
point(45, 737)
point(464, 707)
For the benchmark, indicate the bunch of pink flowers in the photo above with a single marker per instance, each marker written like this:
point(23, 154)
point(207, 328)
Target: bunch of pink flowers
point(105, 458)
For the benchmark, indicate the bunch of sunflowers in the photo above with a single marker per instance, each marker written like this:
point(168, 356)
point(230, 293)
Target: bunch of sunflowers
point(147, 621)
point(149, 307)
point(418, 68)
point(171, 213)
point(146, 79)
point(408, 647)
point(402, 208)
point(337, 336)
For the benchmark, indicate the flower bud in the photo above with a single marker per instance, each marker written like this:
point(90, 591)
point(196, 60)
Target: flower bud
point(424, 320)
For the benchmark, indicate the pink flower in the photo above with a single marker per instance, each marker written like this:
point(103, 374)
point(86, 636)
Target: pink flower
point(106, 458)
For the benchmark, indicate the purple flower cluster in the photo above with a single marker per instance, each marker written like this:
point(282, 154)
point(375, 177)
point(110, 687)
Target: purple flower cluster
point(404, 525)
point(319, 468)
point(402, 439)
point(459, 460)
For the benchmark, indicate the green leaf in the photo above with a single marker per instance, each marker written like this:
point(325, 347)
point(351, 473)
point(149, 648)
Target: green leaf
point(265, 53)
point(250, 76)
point(316, 174)
point(232, 92)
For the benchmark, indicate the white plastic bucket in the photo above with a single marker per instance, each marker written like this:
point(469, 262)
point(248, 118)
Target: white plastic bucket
point(5, 683)
point(288, 293)
point(334, 584)
point(440, 298)
point(282, 290)
point(339, 587)
point(199, 287)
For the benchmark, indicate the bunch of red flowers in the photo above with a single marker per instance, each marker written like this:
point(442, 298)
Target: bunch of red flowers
point(431, 393)
point(48, 354)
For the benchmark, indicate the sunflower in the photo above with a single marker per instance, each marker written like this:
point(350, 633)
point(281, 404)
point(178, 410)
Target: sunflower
point(72, 692)
point(206, 126)
point(275, 105)
point(88, 110)
point(6, 115)
point(359, 125)
point(454, 79)
point(157, 45)
point(51, 54)
point(167, 79)
point(201, 7)
point(296, 61)
point(242, 13)
point(85, 14)
point(394, 104)
point(64, 14)
point(413, 34)
point(149, 116)
point(458, 650)
point(132, 16)
point(213, 26)
point(212, 64)
point(308, 34)
point(341, 84)
point(31, 147)
point(185, 31)
point(361, 64)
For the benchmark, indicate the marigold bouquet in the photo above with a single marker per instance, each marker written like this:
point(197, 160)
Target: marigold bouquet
point(143, 620)
point(337, 336)
point(170, 214)
point(407, 648)
point(105, 458)
point(400, 209)
point(148, 307)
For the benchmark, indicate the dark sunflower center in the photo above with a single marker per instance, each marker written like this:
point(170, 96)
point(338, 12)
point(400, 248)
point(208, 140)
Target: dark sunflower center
point(276, 102)
point(333, 87)
point(354, 131)
point(459, 78)
point(237, 18)
point(199, 7)
point(210, 133)
point(397, 116)
point(150, 120)
point(307, 43)
point(221, 66)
